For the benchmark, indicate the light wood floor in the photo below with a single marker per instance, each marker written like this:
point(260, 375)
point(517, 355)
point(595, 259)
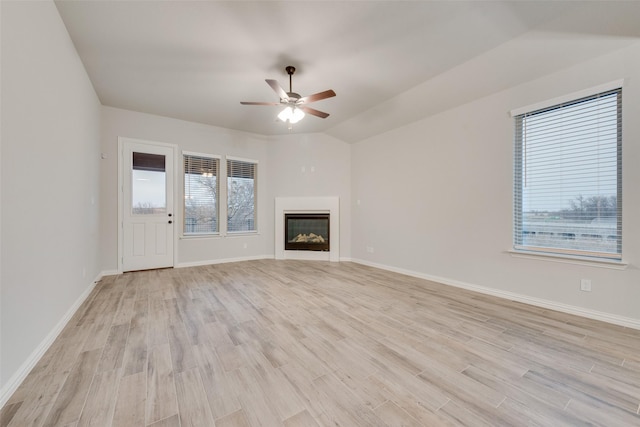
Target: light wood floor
point(294, 343)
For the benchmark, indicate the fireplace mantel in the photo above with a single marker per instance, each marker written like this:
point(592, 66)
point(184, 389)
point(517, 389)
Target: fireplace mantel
point(330, 205)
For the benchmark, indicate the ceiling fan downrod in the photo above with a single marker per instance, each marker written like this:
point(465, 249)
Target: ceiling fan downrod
point(290, 70)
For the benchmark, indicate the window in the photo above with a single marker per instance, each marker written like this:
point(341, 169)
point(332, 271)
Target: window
point(200, 194)
point(568, 178)
point(241, 195)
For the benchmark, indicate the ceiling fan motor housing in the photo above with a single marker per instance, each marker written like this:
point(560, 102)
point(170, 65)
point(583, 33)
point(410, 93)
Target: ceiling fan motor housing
point(293, 96)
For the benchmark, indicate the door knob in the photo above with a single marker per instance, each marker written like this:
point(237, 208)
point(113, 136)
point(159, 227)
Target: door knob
point(170, 214)
point(170, 222)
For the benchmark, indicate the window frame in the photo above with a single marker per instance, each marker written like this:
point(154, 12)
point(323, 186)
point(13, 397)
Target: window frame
point(255, 163)
point(218, 161)
point(519, 247)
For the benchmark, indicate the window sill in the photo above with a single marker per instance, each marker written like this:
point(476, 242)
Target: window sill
point(218, 235)
point(241, 233)
point(200, 236)
point(569, 259)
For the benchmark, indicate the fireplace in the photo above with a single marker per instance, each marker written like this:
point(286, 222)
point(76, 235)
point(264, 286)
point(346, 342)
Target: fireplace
point(307, 205)
point(306, 231)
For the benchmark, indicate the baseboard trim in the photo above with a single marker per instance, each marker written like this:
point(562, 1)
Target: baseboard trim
point(18, 377)
point(221, 261)
point(628, 322)
point(105, 273)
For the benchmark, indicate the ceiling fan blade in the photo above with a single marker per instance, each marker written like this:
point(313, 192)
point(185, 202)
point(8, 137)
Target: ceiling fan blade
point(277, 88)
point(259, 103)
point(317, 97)
point(314, 112)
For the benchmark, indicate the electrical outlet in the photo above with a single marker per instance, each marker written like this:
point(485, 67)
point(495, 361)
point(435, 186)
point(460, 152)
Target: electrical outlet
point(245, 246)
point(370, 249)
point(585, 285)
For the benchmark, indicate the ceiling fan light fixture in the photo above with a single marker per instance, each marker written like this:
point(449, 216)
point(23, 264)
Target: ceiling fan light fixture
point(298, 115)
point(291, 115)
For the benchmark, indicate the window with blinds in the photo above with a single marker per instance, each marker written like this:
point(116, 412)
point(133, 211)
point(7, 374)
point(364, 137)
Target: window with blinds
point(241, 195)
point(568, 178)
point(200, 195)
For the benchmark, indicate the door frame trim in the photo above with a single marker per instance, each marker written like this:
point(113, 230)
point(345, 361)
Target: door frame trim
point(121, 143)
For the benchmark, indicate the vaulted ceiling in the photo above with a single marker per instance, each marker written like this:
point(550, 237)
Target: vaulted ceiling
point(390, 62)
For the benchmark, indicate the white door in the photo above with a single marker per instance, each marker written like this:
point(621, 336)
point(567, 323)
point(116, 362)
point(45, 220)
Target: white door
point(147, 203)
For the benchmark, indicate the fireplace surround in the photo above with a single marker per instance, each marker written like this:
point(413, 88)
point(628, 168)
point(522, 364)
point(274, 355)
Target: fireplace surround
point(307, 205)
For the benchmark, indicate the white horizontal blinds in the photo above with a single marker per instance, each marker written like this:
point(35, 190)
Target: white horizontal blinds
point(200, 195)
point(568, 176)
point(241, 195)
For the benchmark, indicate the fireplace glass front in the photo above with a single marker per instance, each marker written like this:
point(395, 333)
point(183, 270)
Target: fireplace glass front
point(306, 232)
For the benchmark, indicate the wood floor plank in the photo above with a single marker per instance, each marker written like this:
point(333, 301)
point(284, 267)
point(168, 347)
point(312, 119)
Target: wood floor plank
point(172, 421)
point(409, 393)
point(459, 414)
point(517, 388)
point(301, 419)
point(341, 406)
point(8, 411)
point(126, 307)
point(158, 320)
point(302, 382)
point(230, 356)
point(540, 414)
point(279, 393)
point(370, 393)
point(600, 412)
point(182, 356)
point(192, 399)
point(130, 401)
point(255, 405)
point(234, 419)
point(161, 399)
point(69, 402)
point(577, 385)
point(216, 382)
point(135, 354)
point(299, 343)
point(113, 352)
point(99, 406)
point(394, 416)
point(39, 402)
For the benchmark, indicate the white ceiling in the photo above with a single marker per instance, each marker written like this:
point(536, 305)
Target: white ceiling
point(390, 62)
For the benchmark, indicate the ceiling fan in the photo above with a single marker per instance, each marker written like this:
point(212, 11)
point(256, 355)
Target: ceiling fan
point(295, 105)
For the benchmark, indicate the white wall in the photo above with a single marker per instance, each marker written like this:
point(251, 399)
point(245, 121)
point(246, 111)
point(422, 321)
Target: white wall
point(436, 196)
point(277, 176)
point(50, 182)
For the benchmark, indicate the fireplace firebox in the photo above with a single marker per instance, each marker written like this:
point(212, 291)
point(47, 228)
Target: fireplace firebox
point(306, 231)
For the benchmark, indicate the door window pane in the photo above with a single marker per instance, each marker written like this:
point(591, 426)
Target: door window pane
point(148, 184)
